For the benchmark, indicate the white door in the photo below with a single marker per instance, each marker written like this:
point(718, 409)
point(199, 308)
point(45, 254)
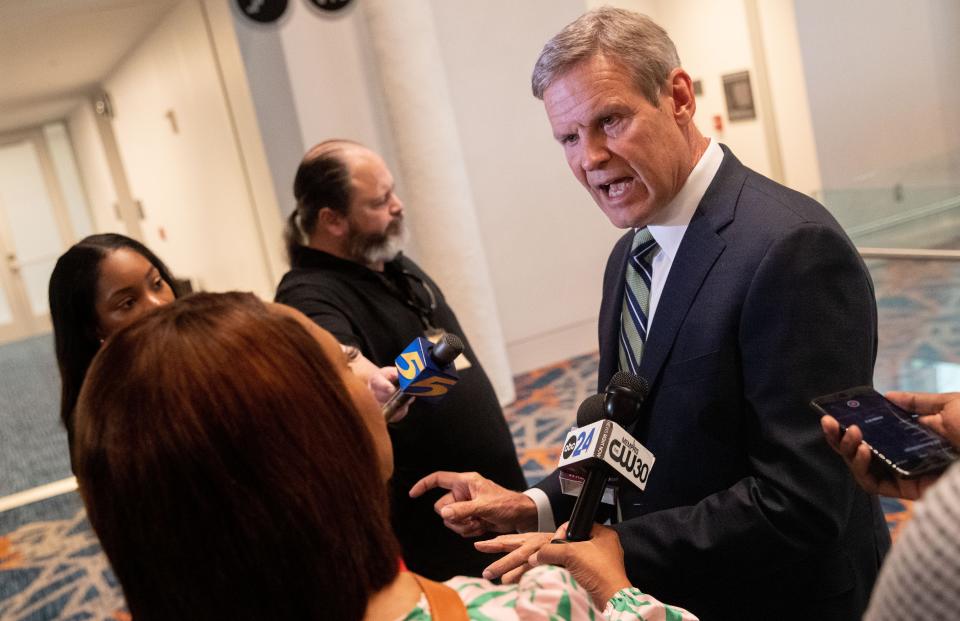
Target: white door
point(34, 230)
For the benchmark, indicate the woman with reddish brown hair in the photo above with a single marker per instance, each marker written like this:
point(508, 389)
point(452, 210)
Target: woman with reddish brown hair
point(234, 467)
point(211, 480)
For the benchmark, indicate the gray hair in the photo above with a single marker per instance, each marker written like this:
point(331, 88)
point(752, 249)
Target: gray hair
point(632, 39)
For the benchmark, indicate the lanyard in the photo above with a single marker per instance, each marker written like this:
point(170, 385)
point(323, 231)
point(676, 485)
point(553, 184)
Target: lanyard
point(400, 281)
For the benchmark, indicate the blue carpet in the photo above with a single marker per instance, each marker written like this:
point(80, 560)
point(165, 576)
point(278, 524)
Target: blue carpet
point(33, 443)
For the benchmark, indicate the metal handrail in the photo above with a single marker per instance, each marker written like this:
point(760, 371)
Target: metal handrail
point(910, 253)
point(898, 219)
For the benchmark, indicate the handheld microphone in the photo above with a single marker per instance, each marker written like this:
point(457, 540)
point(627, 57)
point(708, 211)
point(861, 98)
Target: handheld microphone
point(600, 445)
point(425, 370)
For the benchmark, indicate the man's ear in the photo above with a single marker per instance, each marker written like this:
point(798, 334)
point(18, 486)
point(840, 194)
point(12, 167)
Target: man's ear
point(333, 222)
point(680, 90)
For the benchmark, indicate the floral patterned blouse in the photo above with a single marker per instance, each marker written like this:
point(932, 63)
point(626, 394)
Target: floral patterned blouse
point(548, 593)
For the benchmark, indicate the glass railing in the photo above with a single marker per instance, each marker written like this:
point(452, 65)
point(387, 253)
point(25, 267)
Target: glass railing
point(918, 304)
point(927, 217)
point(914, 205)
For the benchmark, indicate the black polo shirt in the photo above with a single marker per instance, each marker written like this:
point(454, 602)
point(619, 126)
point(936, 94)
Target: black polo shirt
point(381, 313)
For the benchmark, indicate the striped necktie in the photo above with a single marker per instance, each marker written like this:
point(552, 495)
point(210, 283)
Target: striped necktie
point(636, 300)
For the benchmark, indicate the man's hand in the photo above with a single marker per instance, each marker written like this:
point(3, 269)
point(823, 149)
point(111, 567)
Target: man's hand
point(475, 505)
point(519, 548)
point(858, 457)
point(597, 564)
point(940, 412)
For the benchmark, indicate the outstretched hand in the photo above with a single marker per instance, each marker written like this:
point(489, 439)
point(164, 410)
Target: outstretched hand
point(519, 549)
point(476, 505)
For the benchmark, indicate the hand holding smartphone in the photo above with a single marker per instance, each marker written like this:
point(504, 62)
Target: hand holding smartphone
point(900, 445)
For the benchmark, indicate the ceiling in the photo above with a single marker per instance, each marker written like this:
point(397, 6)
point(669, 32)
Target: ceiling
point(53, 52)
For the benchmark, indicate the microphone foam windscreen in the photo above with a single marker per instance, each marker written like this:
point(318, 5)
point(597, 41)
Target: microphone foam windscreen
point(447, 349)
point(622, 379)
point(590, 411)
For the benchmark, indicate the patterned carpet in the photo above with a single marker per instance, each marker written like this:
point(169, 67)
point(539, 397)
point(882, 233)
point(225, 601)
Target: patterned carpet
point(51, 567)
point(918, 304)
point(55, 569)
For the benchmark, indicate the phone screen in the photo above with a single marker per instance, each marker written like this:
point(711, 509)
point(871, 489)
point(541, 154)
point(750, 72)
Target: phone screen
point(888, 429)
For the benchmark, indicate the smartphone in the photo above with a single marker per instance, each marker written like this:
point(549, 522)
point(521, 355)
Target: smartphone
point(897, 440)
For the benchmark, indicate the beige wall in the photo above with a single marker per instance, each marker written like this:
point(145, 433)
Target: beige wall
point(546, 240)
point(791, 105)
point(199, 212)
point(94, 170)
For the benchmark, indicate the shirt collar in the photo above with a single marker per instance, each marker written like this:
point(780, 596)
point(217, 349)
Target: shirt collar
point(311, 258)
point(676, 216)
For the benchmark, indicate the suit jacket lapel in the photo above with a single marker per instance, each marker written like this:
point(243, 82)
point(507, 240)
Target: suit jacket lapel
point(699, 250)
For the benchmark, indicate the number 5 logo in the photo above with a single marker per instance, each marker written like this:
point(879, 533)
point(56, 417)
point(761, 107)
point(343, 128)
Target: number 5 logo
point(414, 365)
point(437, 386)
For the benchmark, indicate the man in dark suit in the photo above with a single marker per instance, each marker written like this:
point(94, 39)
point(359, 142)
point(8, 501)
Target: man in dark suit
point(739, 300)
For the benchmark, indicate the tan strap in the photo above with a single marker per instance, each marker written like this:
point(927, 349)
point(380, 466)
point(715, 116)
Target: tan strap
point(445, 604)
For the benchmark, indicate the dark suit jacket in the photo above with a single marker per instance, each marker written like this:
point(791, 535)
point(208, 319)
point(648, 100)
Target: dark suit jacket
point(747, 512)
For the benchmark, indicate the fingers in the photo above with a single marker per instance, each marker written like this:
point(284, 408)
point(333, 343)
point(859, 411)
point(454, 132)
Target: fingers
point(934, 422)
point(506, 565)
point(468, 528)
point(860, 466)
point(831, 431)
point(381, 388)
point(517, 559)
point(390, 374)
point(903, 399)
point(459, 509)
point(850, 443)
point(466, 518)
point(513, 576)
point(550, 554)
point(561, 532)
point(921, 402)
point(462, 511)
point(845, 444)
point(503, 543)
point(950, 416)
point(444, 500)
point(443, 479)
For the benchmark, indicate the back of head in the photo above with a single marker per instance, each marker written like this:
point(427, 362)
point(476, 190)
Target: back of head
point(631, 39)
point(226, 470)
point(72, 295)
point(322, 180)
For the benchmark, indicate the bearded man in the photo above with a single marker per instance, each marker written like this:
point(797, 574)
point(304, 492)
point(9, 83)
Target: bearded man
point(348, 275)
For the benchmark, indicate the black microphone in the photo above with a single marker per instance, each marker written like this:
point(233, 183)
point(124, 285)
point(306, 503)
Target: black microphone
point(423, 371)
point(620, 403)
point(624, 396)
